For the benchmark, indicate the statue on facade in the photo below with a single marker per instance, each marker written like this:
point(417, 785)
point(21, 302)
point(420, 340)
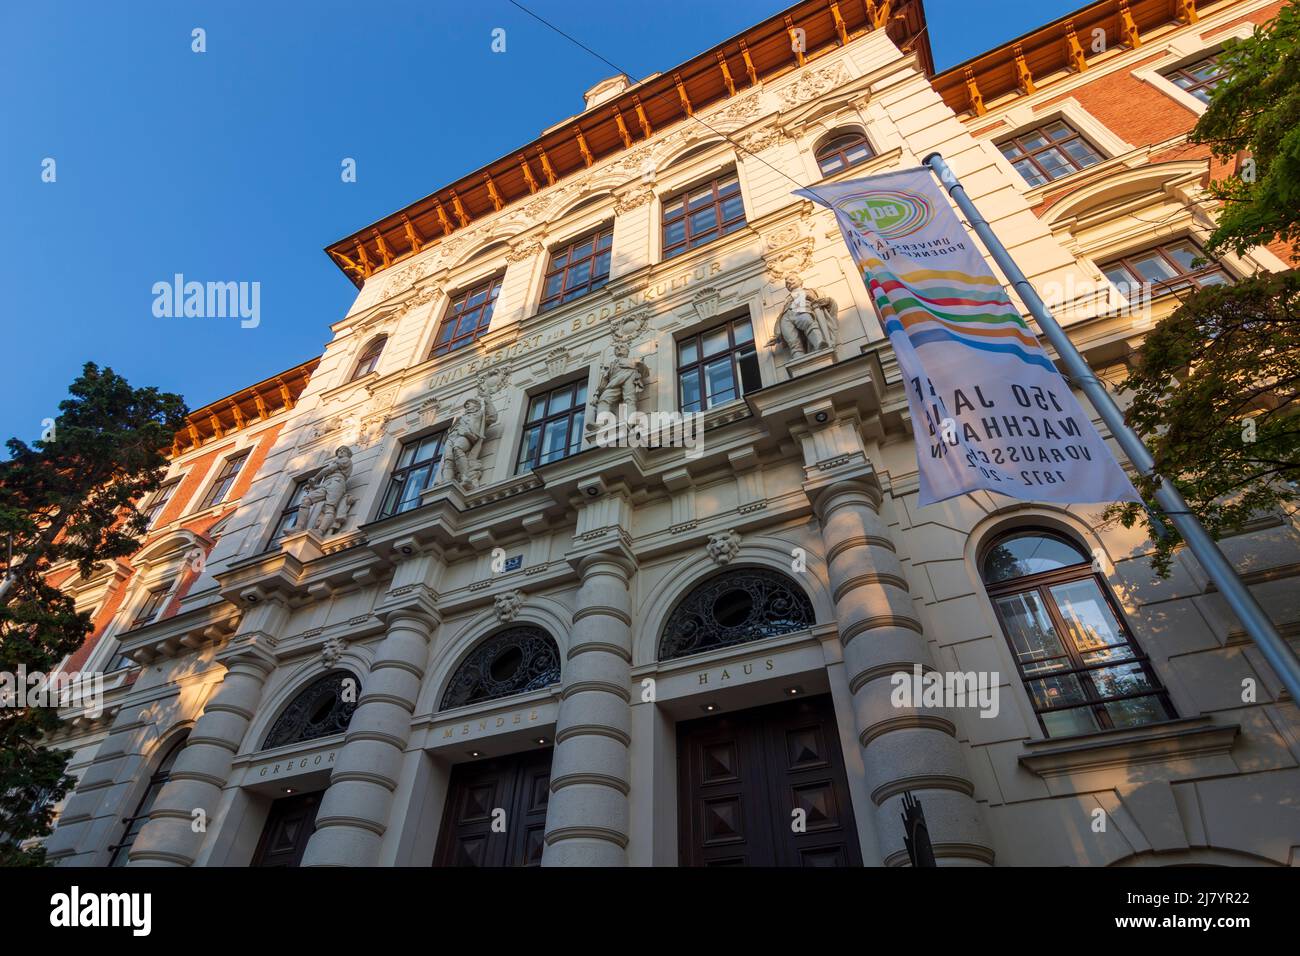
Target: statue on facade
point(326, 503)
point(808, 320)
point(465, 440)
point(622, 378)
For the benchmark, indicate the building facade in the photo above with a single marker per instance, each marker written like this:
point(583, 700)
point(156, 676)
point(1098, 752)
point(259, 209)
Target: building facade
point(451, 623)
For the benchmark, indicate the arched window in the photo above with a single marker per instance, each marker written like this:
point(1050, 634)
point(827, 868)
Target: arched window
point(135, 823)
point(745, 604)
point(513, 661)
point(369, 360)
point(840, 152)
point(323, 708)
point(1082, 668)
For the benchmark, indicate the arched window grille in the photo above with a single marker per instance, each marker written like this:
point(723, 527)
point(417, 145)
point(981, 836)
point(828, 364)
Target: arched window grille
point(840, 152)
point(369, 360)
point(323, 708)
point(1080, 664)
point(735, 607)
point(512, 661)
point(136, 821)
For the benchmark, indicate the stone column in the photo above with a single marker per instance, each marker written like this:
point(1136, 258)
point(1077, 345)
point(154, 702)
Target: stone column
point(353, 815)
point(912, 748)
point(172, 837)
point(587, 821)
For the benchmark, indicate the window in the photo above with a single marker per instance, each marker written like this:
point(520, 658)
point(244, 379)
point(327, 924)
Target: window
point(578, 268)
point(468, 317)
point(745, 604)
point(136, 821)
point(1199, 78)
point(289, 515)
point(151, 606)
point(702, 215)
point(416, 469)
point(1081, 667)
point(229, 472)
point(514, 661)
point(553, 429)
point(1049, 152)
point(1166, 268)
point(842, 152)
point(717, 366)
point(369, 360)
point(159, 501)
point(322, 709)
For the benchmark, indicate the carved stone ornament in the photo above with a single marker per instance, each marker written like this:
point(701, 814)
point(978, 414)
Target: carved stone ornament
point(760, 139)
point(622, 379)
point(557, 360)
point(508, 604)
point(331, 651)
point(706, 302)
point(809, 321)
point(633, 199)
point(791, 260)
point(525, 250)
point(464, 443)
point(723, 547)
point(811, 85)
point(629, 325)
point(326, 503)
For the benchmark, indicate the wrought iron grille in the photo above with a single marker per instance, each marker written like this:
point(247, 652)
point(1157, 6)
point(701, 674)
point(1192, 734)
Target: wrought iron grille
point(319, 711)
point(747, 604)
point(511, 662)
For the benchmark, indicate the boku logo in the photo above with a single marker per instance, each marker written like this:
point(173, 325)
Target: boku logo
point(889, 213)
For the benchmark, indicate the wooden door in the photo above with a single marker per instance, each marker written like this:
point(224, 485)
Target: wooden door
point(496, 812)
point(289, 826)
point(741, 778)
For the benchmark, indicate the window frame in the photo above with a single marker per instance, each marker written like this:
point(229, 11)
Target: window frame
point(701, 360)
point(159, 500)
point(368, 362)
point(1041, 583)
point(721, 227)
point(595, 281)
point(1179, 281)
point(850, 138)
point(144, 806)
point(1030, 156)
point(239, 459)
point(574, 415)
point(162, 592)
point(291, 508)
point(1197, 85)
point(397, 484)
point(456, 309)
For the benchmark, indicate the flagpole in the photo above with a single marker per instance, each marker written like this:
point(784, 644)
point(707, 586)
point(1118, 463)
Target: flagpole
point(1257, 624)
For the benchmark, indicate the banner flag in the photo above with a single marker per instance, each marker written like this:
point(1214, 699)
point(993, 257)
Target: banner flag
point(989, 409)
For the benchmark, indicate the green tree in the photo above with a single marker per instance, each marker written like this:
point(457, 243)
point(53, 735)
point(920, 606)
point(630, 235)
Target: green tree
point(69, 498)
point(1215, 386)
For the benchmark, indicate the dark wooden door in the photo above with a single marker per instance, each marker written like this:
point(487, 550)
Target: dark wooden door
point(289, 826)
point(475, 833)
point(742, 776)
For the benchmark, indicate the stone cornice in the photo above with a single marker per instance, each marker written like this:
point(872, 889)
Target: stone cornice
point(1155, 743)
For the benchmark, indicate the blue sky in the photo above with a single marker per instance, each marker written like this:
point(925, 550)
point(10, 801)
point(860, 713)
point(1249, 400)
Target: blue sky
point(225, 165)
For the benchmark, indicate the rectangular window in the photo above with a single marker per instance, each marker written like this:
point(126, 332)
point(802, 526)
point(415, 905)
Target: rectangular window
point(553, 429)
point(1048, 152)
point(717, 366)
point(416, 469)
point(468, 317)
point(578, 268)
point(151, 606)
point(159, 501)
point(1199, 78)
point(702, 214)
point(1167, 268)
point(225, 479)
point(285, 523)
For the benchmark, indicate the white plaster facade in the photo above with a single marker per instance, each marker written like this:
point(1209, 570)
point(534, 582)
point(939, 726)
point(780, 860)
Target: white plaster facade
point(611, 539)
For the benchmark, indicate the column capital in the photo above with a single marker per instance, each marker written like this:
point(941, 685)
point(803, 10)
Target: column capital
point(861, 482)
point(410, 600)
point(254, 649)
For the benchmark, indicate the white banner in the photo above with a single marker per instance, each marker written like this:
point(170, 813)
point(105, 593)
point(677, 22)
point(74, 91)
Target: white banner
point(989, 409)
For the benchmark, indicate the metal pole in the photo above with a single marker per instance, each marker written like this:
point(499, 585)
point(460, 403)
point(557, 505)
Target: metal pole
point(1257, 624)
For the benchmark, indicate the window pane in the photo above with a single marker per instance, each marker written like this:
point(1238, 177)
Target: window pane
point(1080, 720)
point(1152, 267)
point(528, 453)
point(742, 331)
point(1010, 150)
point(1032, 175)
point(688, 352)
point(715, 341)
point(1089, 621)
point(555, 440)
point(691, 391)
point(1033, 638)
point(1185, 254)
point(720, 382)
point(1058, 691)
point(750, 380)
point(704, 220)
point(675, 233)
point(830, 164)
point(561, 399)
point(1029, 553)
point(1054, 163)
point(1139, 710)
point(1081, 152)
point(1033, 141)
point(536, 408)
point(1058, 130)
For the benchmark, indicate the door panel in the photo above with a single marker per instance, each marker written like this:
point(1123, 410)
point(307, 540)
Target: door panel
point(742, 776)
point(519, 785)
point(289, 826)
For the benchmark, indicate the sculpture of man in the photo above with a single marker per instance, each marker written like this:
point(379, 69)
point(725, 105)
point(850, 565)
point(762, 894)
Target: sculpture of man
point(808, 321)
point(326, 500)
point(465, 440)
point(621, 378)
